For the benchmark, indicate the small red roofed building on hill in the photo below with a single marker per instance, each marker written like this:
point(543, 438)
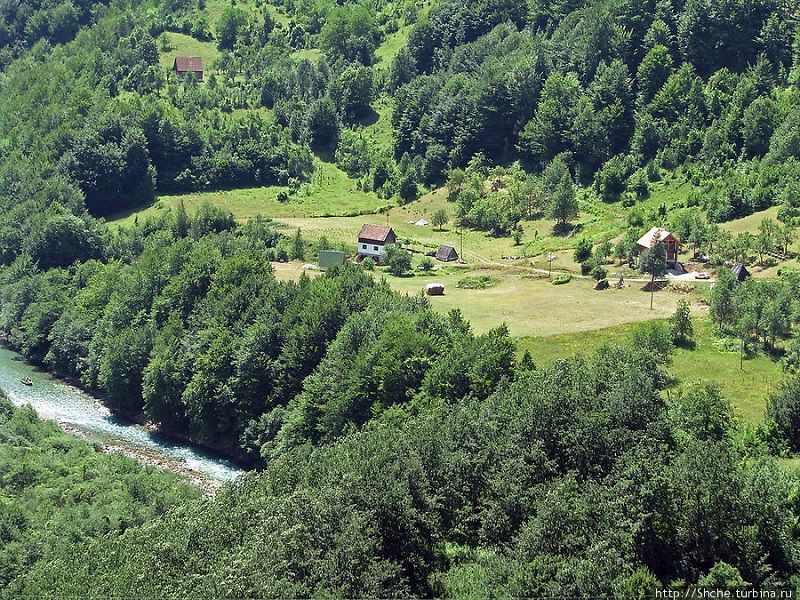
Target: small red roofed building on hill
point(188, 64)
point(658, 235)
point(373, 239)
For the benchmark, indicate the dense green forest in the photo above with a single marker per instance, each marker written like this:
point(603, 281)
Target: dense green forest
point(399, 452)
point(57, 490)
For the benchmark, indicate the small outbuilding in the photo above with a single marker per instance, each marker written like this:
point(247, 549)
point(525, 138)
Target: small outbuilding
point(446, 253)
point(434, 289)
point(740, 272)
point(659, 235)
point(188, 64)
point(373, 239)
point(330, 258)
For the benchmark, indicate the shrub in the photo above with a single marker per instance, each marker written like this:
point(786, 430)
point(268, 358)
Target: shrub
point(583, 251)
point(784, 409)
point(426, 264)
point(562, 279)
point(397, 259)
point(475, 283)
point(599, 272)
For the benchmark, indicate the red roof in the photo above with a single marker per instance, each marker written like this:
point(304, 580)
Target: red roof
point(185, 64)
point(377, 234)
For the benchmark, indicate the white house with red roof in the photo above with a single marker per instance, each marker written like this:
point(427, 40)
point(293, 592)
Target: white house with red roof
point(373, 239)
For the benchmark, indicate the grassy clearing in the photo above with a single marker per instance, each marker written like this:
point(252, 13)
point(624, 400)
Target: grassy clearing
point(312, 54)
point(330, 193)
point(214, 10)
point(184, 45)
point(534, 307)
point(750, 223)
point(558, 321)
point(402, 220)
point(378, 130)
point(598, 220)
point(747, 389)
point(531, 306)
point(391, 46)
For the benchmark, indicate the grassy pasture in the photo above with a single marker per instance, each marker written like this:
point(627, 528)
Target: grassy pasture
point(531, 306)
point(750, 224)
point(331, 192)
point(391, 46)
point(558, 321)
point(185, 45)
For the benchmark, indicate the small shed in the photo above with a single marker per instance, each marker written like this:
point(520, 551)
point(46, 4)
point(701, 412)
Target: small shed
point(740, 272)
point(434, 289)
point(330, 258)
point(189, 64)
point(658, 235)
point(446, 253)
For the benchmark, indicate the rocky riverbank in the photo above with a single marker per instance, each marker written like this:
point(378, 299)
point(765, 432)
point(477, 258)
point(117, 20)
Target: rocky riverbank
point(193, 476)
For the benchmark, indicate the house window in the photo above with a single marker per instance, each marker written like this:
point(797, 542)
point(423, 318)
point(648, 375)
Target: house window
point(375, 248)
point(363, 246)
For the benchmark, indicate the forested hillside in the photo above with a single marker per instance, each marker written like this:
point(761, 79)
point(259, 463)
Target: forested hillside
point(400, 452)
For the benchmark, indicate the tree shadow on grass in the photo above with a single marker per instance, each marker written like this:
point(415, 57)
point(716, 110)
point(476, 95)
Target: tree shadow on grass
point(566, 229)
point(367, 117)
point(655, 286)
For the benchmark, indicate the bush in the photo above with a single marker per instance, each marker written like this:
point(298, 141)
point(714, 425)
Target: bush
point(426, 265)
point(599, 272)
point(368, 264)
point(583, 251)
point(397, 259)
point(475, 283)
point(562, 279)
point(784, 409)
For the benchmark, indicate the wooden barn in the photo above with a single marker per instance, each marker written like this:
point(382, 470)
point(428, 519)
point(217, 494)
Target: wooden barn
point(188, 64)
point(740, 272)
point(446, 253)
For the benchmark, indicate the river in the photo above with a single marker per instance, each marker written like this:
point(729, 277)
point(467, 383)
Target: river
point(79, 412)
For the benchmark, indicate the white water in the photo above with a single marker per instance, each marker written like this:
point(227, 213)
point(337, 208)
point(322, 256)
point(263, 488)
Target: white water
point(57, 401)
